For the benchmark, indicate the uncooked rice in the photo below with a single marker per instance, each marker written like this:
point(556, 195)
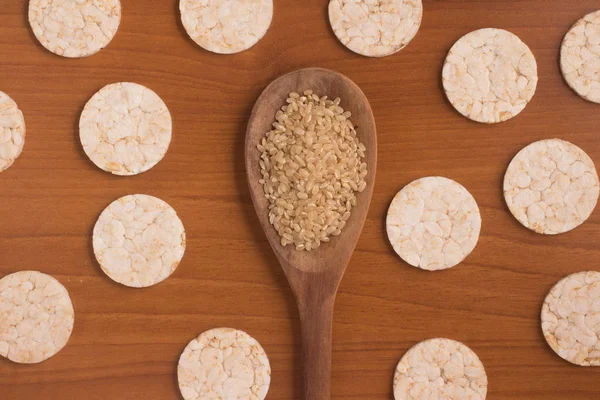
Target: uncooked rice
point(312, 166)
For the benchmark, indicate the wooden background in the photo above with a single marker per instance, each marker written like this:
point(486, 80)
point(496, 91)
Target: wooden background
point(126, 342)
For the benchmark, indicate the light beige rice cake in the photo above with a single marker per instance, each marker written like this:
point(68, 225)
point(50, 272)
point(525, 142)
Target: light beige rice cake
point(125, 128)
point(226, 26)
point(571, 318)
point(36, 317)
point(433, 223)
point(12, 131)
point(139, 240)
point(490, 75)
point(226, 364)
point(440, 369)
point(74, 28)
point(580, 57)
point(551, 186)
point(375, 28)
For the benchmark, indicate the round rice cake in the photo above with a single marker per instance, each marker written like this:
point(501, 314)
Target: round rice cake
point(490, 75)
point(226, 26)
point(433, 223)
point(36, 317)
point(12, 131)
point(571, 318)
point(125, 128)
point(375, 28)
point(440, 369)
point(580, 57)
point(74, 28)
point(139, 240)
point(224, 363)
point(551, 186)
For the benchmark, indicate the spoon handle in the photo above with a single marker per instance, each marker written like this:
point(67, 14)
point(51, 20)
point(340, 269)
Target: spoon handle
point(316, 318)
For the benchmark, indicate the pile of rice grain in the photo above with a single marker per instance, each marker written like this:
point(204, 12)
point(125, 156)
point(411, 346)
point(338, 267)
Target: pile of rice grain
point(312, 165)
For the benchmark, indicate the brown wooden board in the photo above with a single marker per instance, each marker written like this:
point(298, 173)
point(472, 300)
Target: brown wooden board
point(126, 342)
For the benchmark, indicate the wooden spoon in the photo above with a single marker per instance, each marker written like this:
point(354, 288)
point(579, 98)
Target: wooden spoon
point(314, 276)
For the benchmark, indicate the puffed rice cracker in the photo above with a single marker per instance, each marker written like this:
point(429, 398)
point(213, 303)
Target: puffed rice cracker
point(226, 364)
point(580, 57)
point(571, 318)
point(551, 186)
point(36, 317)
point(433, 223)
point(12, 131)
point(125, 128)
point(375, 28)
point(440, 369)
point(490, 75)
point(74, 28)
point(139, 240)
point(226, 26)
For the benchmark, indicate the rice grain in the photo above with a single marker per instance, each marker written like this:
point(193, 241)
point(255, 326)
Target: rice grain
point(312, 165)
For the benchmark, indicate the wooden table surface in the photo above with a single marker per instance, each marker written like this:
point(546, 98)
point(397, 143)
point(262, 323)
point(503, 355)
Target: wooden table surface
point(126, 342)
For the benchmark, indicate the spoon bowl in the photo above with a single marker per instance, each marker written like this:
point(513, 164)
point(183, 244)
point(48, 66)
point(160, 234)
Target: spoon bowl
point(314, 276)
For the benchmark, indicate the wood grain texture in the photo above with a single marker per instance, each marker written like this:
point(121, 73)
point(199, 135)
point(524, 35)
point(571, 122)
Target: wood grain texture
point(314, 276)
point(126, 342)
